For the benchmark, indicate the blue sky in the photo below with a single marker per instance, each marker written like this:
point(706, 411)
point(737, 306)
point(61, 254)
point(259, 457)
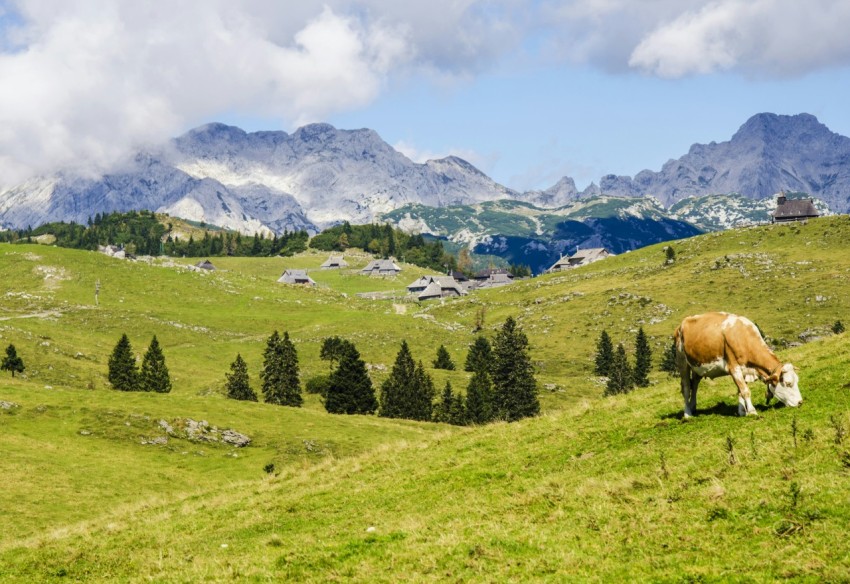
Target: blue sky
point(528, 91)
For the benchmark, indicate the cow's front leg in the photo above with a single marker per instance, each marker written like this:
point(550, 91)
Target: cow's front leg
point(745, 403)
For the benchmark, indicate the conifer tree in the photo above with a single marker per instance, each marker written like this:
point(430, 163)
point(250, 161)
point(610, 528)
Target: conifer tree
point(620, 376)
point(409, 391)
point(643, 359)
point(443, 360)
point(238, 385)
point(457, 411)
point(479, 397)
point(397, 388)
point(154, 373)
point(514, 386)
point(11, 362)
point(349, 389)
point(123, 374)
point(281, 385)
point(668, 362)
point(422, 395)
point(443, 408)
point(478, 356)
point(291, 390)
point(604, 354)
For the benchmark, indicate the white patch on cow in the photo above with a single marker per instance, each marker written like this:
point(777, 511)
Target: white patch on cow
point(787, 390)
point(730, 321)
point(712, 369)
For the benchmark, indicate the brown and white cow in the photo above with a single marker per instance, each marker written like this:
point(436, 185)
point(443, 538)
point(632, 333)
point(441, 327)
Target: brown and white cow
point(716, 344)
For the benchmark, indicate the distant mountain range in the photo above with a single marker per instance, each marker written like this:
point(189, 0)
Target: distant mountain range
point(318, 176)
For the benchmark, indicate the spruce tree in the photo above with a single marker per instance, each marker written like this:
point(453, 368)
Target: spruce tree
point(479, 397)
point(154, 373)
point(478, 356)
point(11, 362)
point(620, 376)
point(668, 362)
point(123, 374)
point(291, 389)
point(443, 408)
point(272, 373)
point(238, 385)
point(397, 388)
point(281, 385)
point(443, 360)
point(604, 354)
point(422, 395)
point(350, 390)
point(643, 359)
point(457, 411)
point(514, 386)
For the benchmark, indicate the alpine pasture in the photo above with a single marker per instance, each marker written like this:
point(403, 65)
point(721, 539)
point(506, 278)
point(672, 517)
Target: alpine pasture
point(594, 489)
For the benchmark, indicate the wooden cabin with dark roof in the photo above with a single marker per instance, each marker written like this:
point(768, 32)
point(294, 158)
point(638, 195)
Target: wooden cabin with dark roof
point(788, 210)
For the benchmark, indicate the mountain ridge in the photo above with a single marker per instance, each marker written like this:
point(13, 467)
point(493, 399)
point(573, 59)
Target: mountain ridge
point(271, 181)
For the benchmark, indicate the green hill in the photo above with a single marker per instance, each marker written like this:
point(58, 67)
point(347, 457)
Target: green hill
point(594, 489)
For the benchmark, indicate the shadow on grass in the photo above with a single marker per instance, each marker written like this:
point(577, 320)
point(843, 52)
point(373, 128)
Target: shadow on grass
point(723, 409)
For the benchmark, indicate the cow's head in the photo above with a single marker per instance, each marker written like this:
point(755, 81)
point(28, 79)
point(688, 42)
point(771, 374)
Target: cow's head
point(783, 386)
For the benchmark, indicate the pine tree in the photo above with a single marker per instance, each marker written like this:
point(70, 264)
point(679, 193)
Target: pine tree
point(281, 385)
point(443, 360)
point(668, 362)
point(11, 362)
point(238, 385)
point(478, 356)
point(643, 359)
point(123, 374)
point(154, 373)
point(620, 376)
point(479, 397)
point(443, 409)
point(604, 354)
point(514, 386)
point(350, 390)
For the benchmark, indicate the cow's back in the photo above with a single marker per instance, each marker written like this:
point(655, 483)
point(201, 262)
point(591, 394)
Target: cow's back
point(701, 337)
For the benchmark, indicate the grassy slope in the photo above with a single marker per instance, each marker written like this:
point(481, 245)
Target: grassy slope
point(594, 489)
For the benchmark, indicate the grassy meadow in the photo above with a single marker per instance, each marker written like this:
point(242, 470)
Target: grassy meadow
point(595, 489)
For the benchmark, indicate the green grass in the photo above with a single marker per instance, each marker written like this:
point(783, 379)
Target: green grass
point(595, 489)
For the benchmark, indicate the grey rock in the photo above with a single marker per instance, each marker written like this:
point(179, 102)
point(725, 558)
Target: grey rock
point(235, 438)
point(6, 405)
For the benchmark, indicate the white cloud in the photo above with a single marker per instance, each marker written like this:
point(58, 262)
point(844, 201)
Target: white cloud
point(762, 37)
point(87, 81)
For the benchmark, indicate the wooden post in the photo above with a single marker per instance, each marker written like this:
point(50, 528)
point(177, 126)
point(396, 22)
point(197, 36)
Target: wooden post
point(96, 292)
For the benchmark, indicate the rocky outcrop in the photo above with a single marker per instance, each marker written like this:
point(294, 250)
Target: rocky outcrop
point(200, 431)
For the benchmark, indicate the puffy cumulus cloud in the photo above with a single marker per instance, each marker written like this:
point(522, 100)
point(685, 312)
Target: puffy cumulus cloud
point(673, 38)
point(86, 82)
point(764, 37)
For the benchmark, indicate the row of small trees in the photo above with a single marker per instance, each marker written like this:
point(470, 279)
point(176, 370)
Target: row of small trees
point(614, 364)
point(502, 385)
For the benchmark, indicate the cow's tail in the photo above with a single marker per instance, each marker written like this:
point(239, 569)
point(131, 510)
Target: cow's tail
point(678, 338)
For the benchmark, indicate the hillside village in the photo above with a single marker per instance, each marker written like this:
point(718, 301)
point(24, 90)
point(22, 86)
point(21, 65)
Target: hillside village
point(205, 311)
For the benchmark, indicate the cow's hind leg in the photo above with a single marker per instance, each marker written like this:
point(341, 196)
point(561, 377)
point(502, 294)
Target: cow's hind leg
point(695, 379)
point(689, 393)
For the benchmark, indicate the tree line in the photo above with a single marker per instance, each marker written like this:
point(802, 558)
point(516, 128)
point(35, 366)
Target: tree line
point(502, 386)
point(142, 233)
point(386, 241)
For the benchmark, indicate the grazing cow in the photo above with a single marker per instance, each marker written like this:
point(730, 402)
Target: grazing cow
point(716, 344)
